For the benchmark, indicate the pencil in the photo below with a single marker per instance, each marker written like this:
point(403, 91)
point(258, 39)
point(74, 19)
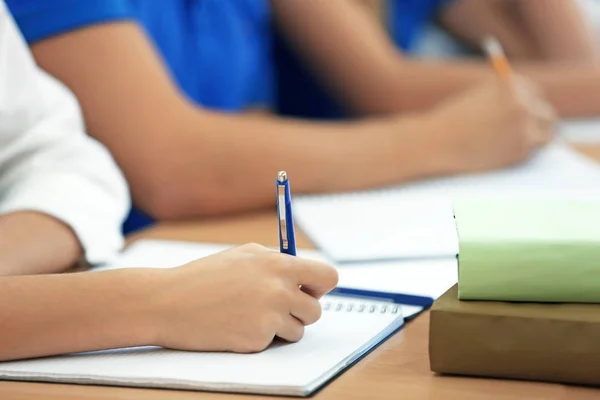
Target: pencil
point(494, 51)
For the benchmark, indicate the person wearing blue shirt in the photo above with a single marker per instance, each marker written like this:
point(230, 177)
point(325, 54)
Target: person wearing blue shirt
point(530, 31)
point(183, 91)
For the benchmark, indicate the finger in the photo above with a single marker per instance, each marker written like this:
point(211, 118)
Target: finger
point(316, 278)
point(525, 88)
point(533, 98)
point(305, 308)
point(543, 110)
point(539, 133)
point(291, 330)
point(520, 89)
point(253, 248)
point(547, 119)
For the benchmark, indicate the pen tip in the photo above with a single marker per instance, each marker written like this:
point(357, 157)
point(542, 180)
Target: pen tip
point(282, 176)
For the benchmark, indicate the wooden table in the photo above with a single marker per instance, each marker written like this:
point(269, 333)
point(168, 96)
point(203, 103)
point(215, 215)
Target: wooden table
point(398, 369)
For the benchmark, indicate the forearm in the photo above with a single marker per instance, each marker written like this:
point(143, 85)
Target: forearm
point(35, 243)
point(551, 30)
point(558, 28)
point(226, 163)
point(183, 161)
point(57, 314)
point(470, 20)
point(573, 89)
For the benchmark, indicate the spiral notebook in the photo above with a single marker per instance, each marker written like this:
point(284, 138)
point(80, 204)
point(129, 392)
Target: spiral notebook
point(347, 330)
point(416, 220)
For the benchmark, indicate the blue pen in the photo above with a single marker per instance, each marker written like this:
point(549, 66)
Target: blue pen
point(287, 238)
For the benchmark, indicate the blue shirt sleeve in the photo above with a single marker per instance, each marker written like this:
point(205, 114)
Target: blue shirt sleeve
point(39, 19)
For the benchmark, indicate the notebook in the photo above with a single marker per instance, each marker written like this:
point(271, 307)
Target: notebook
point(347, 330)
point(415, 220)
point(425, 279)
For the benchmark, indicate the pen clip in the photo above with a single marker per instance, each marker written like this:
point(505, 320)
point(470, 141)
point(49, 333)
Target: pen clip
point(282, 220)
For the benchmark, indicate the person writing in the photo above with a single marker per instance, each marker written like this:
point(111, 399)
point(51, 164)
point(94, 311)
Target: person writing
point(184, 108)
point(552, 42)
point(63, 200)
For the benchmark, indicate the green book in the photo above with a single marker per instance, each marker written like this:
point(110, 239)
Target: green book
point(529, 250)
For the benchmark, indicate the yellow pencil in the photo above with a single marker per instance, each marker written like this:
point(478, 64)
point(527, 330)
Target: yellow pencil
point(495, 52)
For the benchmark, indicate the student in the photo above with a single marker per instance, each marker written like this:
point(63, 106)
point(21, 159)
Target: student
point(180, 92)
point(537, 33)
point(62, 198)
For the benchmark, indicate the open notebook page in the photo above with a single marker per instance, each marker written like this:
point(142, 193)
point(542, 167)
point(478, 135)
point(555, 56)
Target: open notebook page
point(428, 278)
point(347, 330)
point(416, 220)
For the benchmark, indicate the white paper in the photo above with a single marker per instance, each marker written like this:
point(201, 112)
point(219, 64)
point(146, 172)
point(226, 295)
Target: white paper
point(416, 220)
point(582, 131)
point(428, 278)
point(328, 347)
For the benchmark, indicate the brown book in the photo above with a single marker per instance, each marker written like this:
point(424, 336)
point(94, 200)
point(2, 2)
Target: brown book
point(529, 341)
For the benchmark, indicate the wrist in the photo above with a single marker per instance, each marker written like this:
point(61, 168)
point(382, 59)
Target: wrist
point(145, 309)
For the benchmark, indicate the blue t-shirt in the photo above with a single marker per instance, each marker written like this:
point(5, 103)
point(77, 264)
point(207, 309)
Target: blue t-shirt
point(218, 51)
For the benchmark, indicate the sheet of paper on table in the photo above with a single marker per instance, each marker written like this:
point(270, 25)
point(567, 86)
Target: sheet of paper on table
point(416, 220)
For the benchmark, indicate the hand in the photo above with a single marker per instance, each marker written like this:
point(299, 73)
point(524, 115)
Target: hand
point(240, 299)
point(492, 126)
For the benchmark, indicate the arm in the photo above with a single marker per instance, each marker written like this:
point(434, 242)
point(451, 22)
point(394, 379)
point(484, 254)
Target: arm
point(560, 30)
point(194, 307)
point(90, 311)
point(380, 80)
point(182, 160)
point(553, 30)
point(64, 198)
point(35, 243)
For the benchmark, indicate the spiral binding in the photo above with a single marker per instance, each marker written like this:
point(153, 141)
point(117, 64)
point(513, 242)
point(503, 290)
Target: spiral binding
point(360, 307)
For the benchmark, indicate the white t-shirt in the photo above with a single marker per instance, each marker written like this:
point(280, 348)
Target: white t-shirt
point(47, 162)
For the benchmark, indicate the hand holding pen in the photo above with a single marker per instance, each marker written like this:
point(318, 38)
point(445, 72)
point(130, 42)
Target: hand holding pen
point(529, 94)
point(287, 245)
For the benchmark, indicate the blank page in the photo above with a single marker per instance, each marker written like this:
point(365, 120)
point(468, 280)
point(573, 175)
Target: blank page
point(427, 277)
point(347, 329)
point(416, 220)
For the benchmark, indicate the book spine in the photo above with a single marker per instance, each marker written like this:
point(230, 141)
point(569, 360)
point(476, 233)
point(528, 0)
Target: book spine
point(511, 347)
